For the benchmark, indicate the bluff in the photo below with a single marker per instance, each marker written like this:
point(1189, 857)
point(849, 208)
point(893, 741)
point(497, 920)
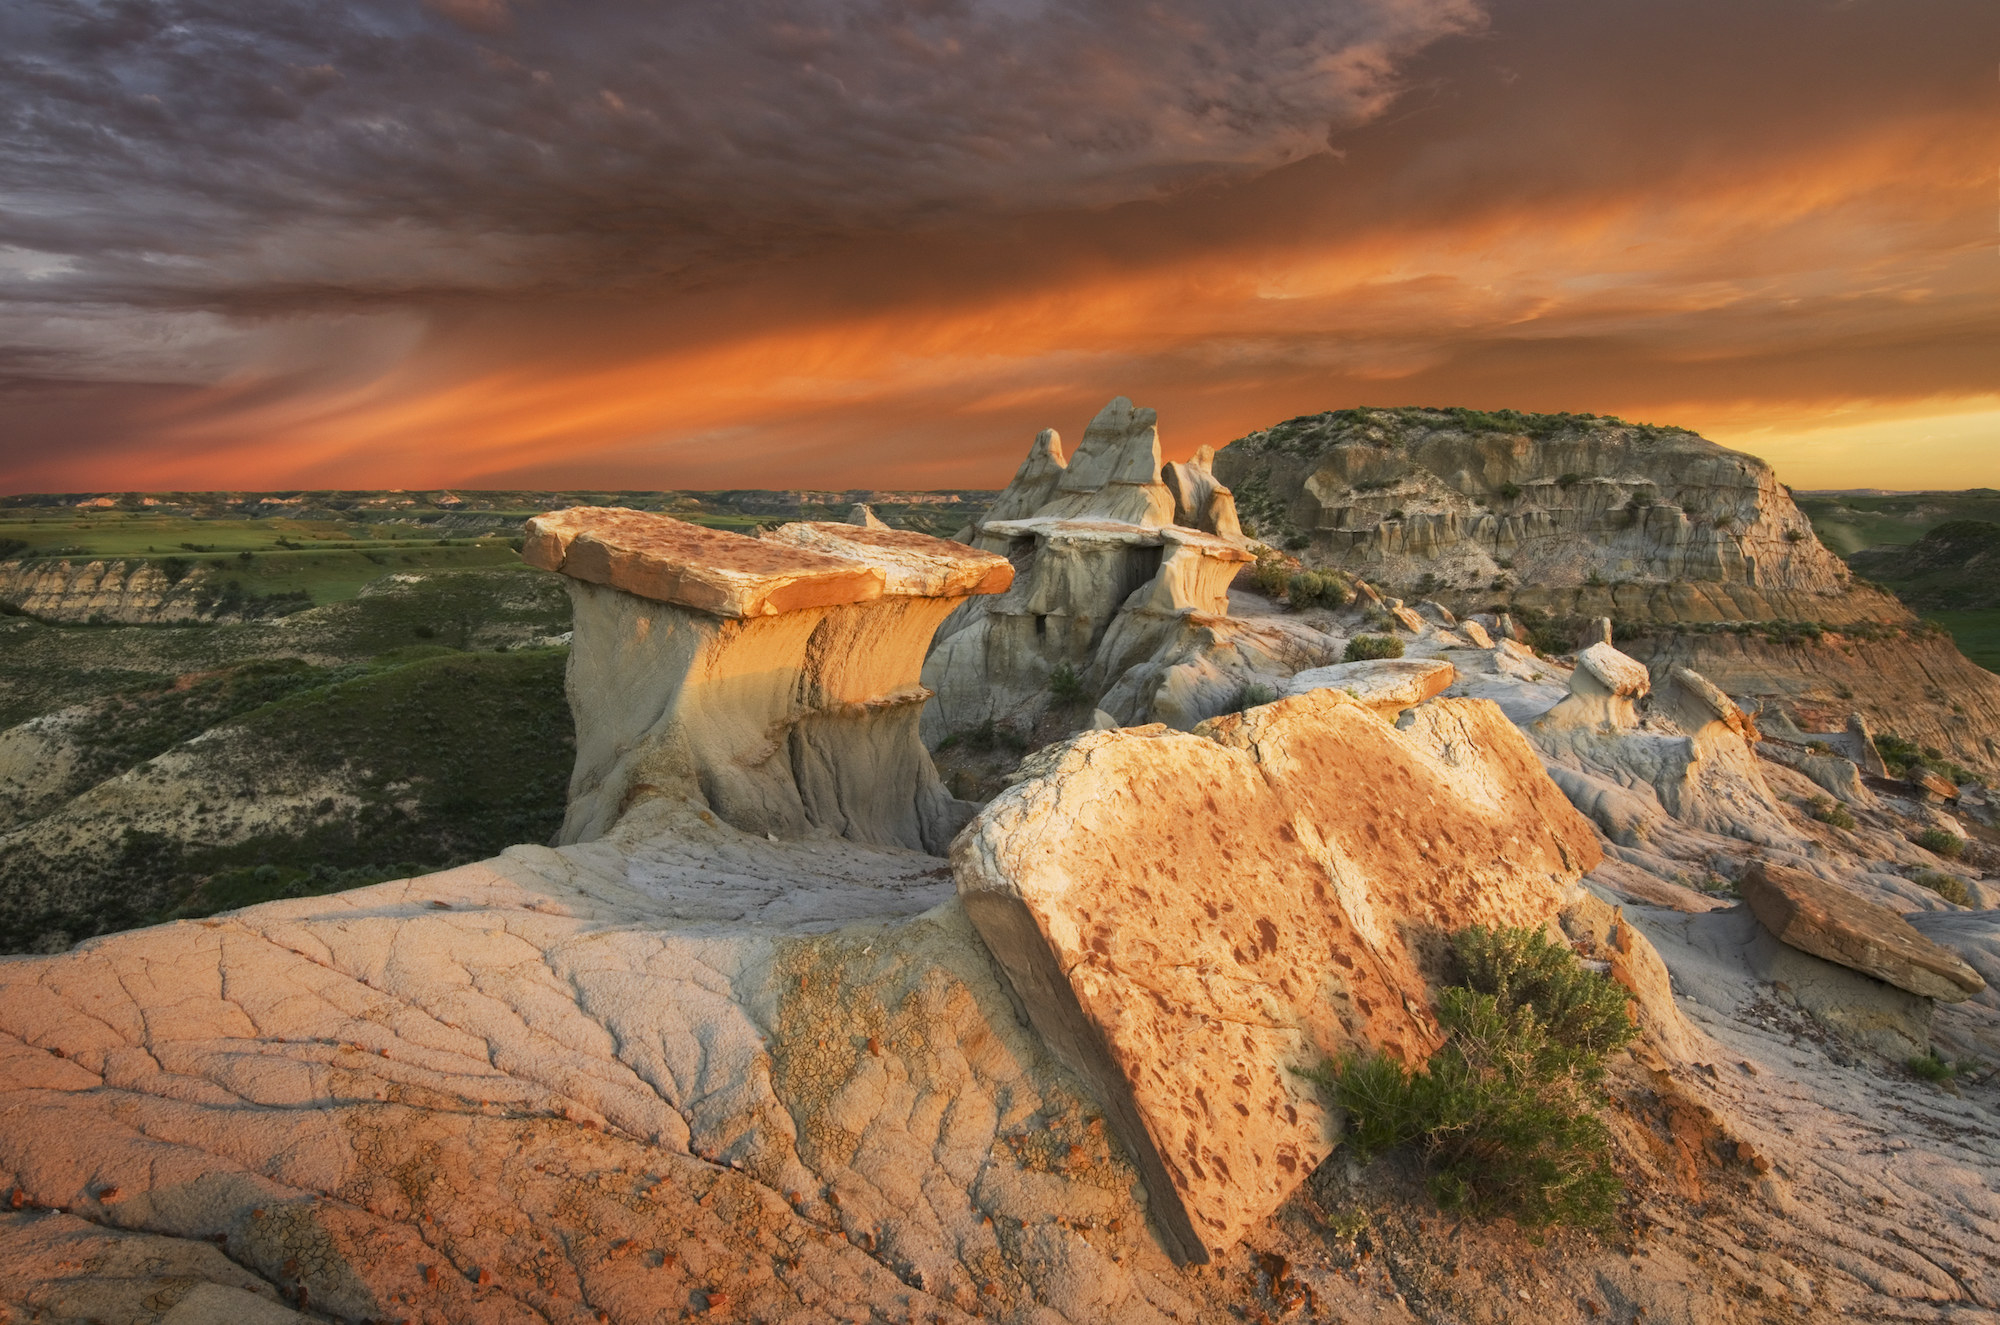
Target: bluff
point(1697, 552)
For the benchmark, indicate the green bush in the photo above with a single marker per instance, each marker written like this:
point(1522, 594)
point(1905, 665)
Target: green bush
point(1365, 648)
point(1948, 886)
point(1829, 811)
point(1932, 1068)
point(988, 735)
point(1270, 575)
point(1505, 1113)
point(1311, 588)
point(1509, 491)
point(1940, 842)
point(1066, 686)
point(1252, 695)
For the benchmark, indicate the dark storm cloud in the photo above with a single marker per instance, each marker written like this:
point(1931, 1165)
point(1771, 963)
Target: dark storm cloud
point(270, 152)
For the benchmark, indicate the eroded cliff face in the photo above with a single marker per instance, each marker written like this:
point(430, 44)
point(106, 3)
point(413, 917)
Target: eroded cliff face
point(1565, 499)
point(130, 592)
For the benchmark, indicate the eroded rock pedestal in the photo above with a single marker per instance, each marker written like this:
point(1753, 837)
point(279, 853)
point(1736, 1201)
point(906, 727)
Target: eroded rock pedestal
point(774, 678)
point(1124, 566)
point(1193, 920)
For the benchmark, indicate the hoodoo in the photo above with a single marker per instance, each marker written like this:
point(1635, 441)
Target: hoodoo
point(774, 678)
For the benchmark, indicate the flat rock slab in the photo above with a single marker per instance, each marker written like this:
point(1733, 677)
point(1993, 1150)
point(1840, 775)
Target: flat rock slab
point(913, 564)
point(1616, 672)
point(1194, 919)
point(712, 570)
point(1829, 921)
point(815, 565)
point(1382, 683)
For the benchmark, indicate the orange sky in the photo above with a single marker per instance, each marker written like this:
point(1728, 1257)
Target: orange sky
point(1774, 228)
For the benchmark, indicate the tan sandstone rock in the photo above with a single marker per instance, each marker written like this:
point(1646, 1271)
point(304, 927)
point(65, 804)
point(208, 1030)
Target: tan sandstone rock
point(1192, 920)
point(775, 680)
point(1388, 685)
point(1828, 921)
point(1613, 671)
point(668, 561)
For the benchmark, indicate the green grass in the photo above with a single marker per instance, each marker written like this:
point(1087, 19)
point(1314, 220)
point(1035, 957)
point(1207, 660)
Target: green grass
point(444, 757)
point(1848, 524)
point(1977, 634)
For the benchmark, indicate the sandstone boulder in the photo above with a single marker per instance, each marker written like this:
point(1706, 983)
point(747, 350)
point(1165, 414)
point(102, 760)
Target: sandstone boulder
point(1387, 685)
point(1475, 632)
point(1612, 671)
point(1200, 502)
point(1929, 784)
point(1192, 920)
point(1831, 922)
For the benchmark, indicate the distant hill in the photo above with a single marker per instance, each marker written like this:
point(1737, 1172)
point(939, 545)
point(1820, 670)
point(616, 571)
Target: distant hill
point(1847, 522)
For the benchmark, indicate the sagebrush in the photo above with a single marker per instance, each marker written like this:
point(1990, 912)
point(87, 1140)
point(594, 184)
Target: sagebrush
point(1505, 1113)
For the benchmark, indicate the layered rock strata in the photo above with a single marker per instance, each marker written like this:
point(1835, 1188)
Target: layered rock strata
point(776, 679)
point(1562, 499)
point(1194, 920)
point(132, 592)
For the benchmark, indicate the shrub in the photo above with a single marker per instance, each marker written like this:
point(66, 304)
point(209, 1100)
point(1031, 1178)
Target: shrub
point(1569, 480)
point(1932, 1068)
point(1795, 535)
point(1365, 648)
point(1066, 686)
point(1253, 694)
point(988, 735)
point(1270, 575)
point(1508, 491)
point(1829, 811)
point(1594, 580)
point(1941, 842)
point(1396, 514)
point(1312, 588)
point(1948, 886)
point(1504, 1113)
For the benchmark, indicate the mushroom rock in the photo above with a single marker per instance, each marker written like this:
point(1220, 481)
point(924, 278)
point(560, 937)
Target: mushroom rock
point(775, 679)
point(1192, 920)
point(1683, 755)
point(1200, 500)
point(1699, 701)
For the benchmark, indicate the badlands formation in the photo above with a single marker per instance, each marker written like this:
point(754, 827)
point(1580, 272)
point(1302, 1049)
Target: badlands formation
point(781, 1030)
point(1696, 551)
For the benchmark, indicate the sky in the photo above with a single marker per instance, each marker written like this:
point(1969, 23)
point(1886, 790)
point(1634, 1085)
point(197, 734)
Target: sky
point(275, 244)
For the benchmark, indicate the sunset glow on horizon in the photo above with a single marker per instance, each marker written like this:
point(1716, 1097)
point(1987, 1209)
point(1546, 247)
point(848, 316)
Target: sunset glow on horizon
point(520, 268)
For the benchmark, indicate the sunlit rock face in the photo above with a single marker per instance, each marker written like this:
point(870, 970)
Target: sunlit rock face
point(1566, 499)
point(774, 679)
point(1195, 920)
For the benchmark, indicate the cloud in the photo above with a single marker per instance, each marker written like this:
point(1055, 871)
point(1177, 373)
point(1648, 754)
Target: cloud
point(778, 244)
point(292, 151)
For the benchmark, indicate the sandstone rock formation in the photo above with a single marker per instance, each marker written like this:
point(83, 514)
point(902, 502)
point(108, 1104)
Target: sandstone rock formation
point(1400, 493)
point(1122, 578)
point(1698, 554)
point(775, 678)
point(134, 592)
point(1831, 922)
point(1388, 685)
point(1195, 920)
